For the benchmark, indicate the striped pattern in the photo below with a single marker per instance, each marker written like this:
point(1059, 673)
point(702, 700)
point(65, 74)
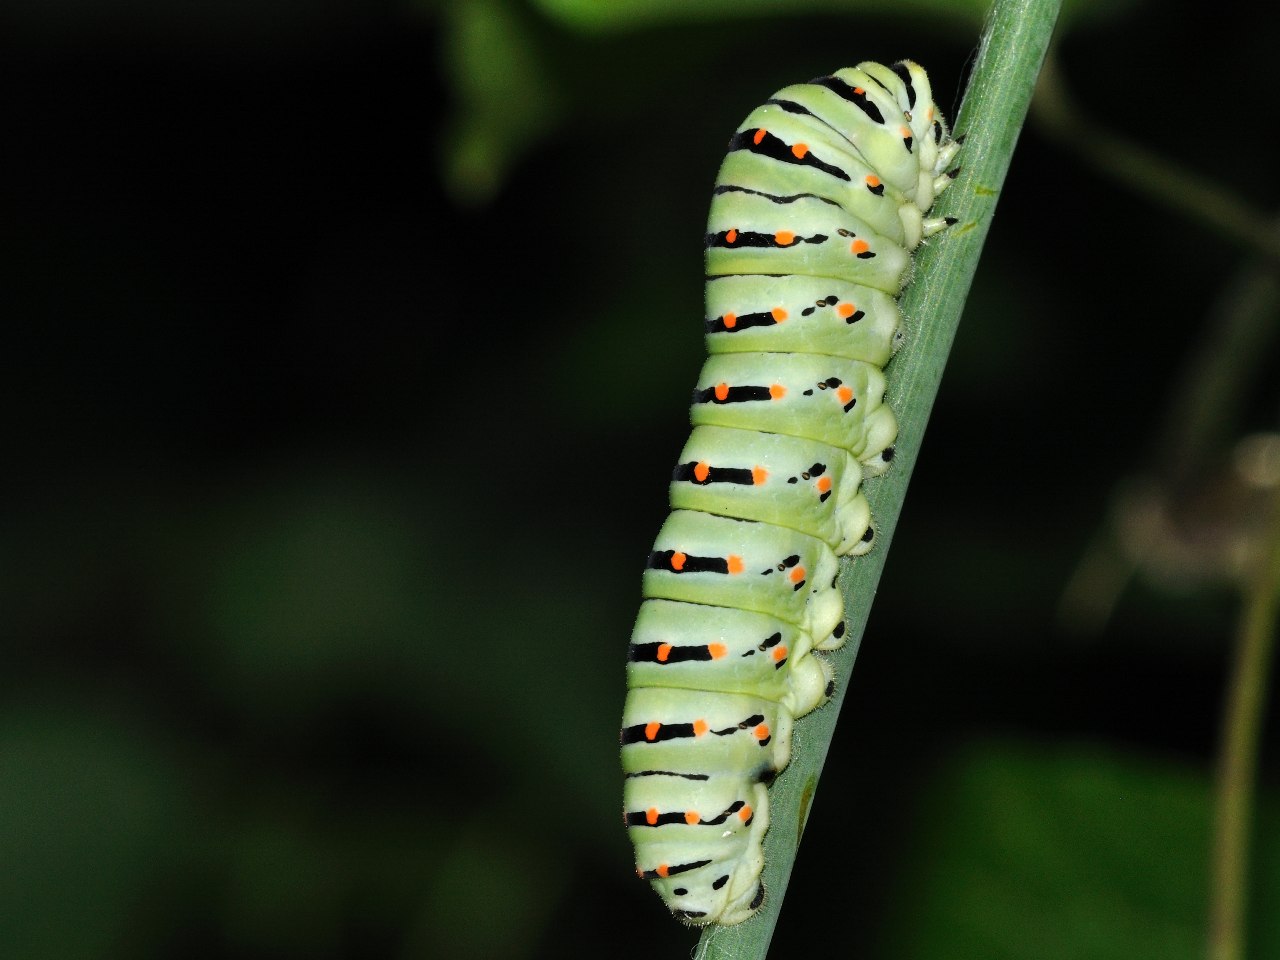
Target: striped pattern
point(820, 202)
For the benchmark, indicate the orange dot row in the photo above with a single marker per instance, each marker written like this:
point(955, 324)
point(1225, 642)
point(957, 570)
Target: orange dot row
point(777, 391)
point(690, 817)
point(702, 470)
point(798, 150)
point(700, 727)
point(679, 559)
point(783, 238)
point(718, 651)
point(779, 315)
point(759, 475)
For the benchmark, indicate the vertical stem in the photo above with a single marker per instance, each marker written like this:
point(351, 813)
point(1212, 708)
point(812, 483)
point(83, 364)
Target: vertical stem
point(1013, 45)
point(1238, 753)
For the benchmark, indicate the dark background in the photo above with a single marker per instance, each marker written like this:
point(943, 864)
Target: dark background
point(347, 347)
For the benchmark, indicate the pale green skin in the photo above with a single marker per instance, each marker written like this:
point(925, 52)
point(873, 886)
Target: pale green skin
point(864, 431)
point(842, 519)
point(776, 521)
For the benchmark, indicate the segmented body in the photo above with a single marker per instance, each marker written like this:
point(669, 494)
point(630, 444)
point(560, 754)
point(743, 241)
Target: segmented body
point(816, 210)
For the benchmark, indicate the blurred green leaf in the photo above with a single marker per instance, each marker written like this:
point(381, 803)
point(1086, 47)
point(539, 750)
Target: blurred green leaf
point(1048, 852)
point(506, 98)
point(94, 822)
point(300, 591)
point(489, 897)
point(630, 14)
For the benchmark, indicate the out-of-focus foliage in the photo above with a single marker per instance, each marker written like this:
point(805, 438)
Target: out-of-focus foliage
point(634, 14)
point(512, 76)
point(504, 93)
point(638, 14)
point(1067, 852)
point(98, 818)
point(327, 495)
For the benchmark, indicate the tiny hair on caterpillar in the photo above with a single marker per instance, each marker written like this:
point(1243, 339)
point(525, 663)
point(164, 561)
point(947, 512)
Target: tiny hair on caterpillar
point(822, 198)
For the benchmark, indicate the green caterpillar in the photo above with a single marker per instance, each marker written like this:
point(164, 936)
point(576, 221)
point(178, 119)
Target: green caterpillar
point(816, 210)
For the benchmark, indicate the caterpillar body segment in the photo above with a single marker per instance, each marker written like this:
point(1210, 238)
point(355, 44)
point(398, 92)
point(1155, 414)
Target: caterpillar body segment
point(796, 313)
point(821, 200)
point(775, 478)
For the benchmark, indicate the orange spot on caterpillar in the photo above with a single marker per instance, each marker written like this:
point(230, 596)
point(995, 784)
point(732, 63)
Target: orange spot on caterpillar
point(730, 321)
point(859, 91)
point(761, 732)
point(690, 817)
point(651, 816)
point(745, 814)
point(677, 561)
point(859, 246)
point(662, 870)
point(700, 727)
point(734, 562)
point(873, 181)
point(784, 238)
point(759, 475)
point(664, 651)
point(778, 314)
point(777, 392)
point(846, 309)
point(824, 484)
point(799, 150)
point(722, 392)
point(639, 872)
point(759, 136)
point(779, 654)
point(718, 651)
point(797, 574)
point(731, 236)
point(651, 729)
point(844, 395)
point(905, 132)
point(700, 472)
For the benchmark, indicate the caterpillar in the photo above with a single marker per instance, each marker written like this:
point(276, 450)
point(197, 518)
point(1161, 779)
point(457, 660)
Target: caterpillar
point(819, 203)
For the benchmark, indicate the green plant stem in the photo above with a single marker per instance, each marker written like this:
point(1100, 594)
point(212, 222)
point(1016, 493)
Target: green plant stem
point(1058, 116)
point(1235, 348)
point(1238, 753)
point(1013, 46)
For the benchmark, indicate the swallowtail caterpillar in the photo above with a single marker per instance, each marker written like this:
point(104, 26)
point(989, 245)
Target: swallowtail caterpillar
point(816, 211)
